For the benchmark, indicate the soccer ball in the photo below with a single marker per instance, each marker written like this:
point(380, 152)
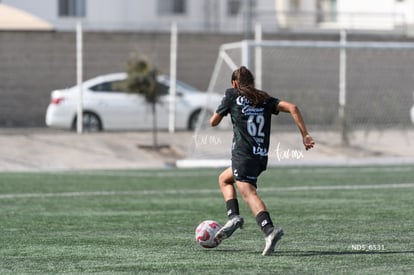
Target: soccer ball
point(205, 232)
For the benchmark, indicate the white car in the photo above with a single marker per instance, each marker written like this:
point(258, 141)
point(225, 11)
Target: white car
point(105, 107)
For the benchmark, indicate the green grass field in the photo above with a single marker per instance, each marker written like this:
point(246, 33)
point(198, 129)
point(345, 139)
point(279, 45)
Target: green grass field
point(336, 221)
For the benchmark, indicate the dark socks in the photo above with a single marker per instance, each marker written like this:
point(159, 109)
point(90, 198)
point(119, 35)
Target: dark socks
point(232, 208)
point(265, 222)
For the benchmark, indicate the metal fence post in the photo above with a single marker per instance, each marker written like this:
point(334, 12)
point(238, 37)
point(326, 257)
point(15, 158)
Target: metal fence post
point(342, 90)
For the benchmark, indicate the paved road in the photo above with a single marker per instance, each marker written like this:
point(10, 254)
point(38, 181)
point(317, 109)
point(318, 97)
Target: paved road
point(44, 149)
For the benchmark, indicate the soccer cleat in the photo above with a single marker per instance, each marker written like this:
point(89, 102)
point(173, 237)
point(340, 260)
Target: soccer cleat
point(228, 229)
point(271, 241)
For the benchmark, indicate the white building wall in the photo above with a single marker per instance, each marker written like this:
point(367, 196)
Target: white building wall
point(366, 6)
point(201, 15)
point(46, 9)
point(405, 9)
point(375, 14)
point(110, 14)
point(212, 15)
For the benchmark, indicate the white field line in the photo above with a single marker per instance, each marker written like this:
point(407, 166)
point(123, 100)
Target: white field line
point(361, 170)
point(203, 191)
point(216, 172)
point(184, 174)
point(140, 174)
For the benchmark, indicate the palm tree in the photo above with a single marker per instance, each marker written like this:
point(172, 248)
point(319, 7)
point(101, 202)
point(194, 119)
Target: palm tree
point(142, 79)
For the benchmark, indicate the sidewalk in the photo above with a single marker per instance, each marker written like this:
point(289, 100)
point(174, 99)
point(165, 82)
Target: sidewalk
point(52, 150)
point(391, 147)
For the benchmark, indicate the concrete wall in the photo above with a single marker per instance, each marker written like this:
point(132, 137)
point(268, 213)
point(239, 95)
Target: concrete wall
point(32, 64)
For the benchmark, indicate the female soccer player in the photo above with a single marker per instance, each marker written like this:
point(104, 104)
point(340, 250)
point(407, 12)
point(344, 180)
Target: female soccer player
point(251, 112)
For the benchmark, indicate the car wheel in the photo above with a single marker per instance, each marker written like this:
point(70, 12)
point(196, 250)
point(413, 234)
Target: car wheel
point(192, 122)
point(195, 116)
point(91, 122)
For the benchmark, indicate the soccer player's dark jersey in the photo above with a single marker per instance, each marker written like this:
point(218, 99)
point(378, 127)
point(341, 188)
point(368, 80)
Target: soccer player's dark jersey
point(251, 125)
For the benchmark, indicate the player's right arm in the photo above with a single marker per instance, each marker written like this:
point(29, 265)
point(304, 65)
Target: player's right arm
point(223, 109)
point(215, 119)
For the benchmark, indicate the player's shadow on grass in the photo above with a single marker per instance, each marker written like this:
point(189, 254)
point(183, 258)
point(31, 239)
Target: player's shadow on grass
point(312, 253)
point(297, 253)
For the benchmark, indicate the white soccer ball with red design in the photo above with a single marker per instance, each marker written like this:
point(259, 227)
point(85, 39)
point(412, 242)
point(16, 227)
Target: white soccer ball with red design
point(205, 232)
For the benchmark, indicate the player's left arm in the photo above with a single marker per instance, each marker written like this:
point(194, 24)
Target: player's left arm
point(215, 119)
point(291, 108)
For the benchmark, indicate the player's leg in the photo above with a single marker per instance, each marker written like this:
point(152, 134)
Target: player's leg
point(272, 234)
point(248, 170)
point(249, 194)
point(226, 183)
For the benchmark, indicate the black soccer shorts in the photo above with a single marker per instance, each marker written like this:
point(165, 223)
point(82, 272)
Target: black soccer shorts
point(248, 169)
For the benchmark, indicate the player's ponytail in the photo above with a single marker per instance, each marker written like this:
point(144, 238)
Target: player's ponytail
point(245, 80)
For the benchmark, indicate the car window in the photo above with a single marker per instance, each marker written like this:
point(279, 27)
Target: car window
point(184, 87)
point(163, 89)
point(109, 86)
point(181, 86)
